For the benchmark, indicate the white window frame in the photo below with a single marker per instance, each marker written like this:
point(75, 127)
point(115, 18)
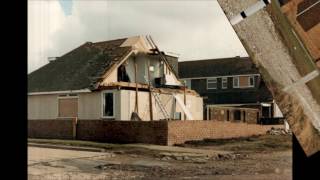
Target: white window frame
point(103, 104)
point(226, 81)
point(216, 81)
point(233, 81)
point(252, 81)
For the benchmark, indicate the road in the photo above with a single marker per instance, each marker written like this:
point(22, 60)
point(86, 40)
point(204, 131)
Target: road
point(132, 163)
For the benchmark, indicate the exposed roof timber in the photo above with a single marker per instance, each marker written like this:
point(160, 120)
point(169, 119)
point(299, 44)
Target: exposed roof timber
point(60, 92)
point(123, 85)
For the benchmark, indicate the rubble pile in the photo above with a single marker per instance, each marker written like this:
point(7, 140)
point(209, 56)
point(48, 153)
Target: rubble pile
point(279, 131)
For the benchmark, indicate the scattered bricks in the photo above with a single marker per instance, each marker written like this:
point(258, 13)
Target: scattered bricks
point(278, 131)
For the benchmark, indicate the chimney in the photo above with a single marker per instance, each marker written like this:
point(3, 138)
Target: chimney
point(50, 59)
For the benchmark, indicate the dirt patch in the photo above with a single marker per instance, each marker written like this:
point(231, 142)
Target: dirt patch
point(258, 157)
point(254, 143)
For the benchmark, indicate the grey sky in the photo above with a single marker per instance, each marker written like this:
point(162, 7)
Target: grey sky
point(193, 29)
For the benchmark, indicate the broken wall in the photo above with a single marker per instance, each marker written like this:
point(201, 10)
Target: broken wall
point(194, 104)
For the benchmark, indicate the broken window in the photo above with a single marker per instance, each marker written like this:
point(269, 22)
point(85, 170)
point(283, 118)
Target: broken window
point(212, 83)
point(122, 74)
point(108, 104)
point(224, 83)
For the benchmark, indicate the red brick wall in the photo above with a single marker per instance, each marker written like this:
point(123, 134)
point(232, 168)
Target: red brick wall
point(55, 129)
point(182, 131)
point(151, 132)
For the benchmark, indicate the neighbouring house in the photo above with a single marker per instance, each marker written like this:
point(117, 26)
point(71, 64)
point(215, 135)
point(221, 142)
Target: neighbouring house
point(232, 90)
point(109, 80)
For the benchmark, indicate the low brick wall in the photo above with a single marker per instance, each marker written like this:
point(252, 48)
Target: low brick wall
point(153, 132)
point(55, 129)
point(150, 132)
point(182, 131)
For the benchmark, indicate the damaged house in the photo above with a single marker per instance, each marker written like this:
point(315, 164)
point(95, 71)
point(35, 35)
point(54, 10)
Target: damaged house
point(122, 79)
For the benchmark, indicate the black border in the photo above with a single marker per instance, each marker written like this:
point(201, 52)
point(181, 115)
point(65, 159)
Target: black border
point(304, 167)
point(14, 89)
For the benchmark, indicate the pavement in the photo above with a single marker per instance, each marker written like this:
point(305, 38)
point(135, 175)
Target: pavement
point(172, 149)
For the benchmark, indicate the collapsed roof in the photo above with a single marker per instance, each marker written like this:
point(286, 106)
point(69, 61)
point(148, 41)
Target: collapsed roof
point(83, 67)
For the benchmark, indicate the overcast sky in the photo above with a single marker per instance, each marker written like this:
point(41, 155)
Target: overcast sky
point(193, 29)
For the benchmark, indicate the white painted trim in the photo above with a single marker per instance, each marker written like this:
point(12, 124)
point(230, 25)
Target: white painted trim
point(68, 97)
point(103, 103)
point(222, 105)
point(61, 92)
point(213, 79)
point(243, 87)
point(206, 77)
point(249, 81)
point(303, 80)
point(233, 80)
point(226, 79)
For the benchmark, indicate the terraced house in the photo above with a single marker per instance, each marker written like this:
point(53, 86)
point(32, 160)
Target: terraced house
point(232, 89)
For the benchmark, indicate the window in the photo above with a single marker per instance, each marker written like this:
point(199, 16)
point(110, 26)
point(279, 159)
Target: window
point(108, 105)
point(243, 81)
point(177, 115)
point(151, 68)
point(251, 81)
point(212, 83)
point(224, 83)
point(236, 81)
point(187, 83)
point(237, 115)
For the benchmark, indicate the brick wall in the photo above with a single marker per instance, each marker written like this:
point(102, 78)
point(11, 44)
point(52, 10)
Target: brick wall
point(182, 131)
point(55, 129)
point(150, 132)
point(248, 115)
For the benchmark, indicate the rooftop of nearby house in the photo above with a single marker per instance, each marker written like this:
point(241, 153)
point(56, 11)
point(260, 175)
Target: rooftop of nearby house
point(83, 67)
point(217, 67)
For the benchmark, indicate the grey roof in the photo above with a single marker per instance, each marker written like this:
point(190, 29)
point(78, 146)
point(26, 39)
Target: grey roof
point(79, 69)
point(217, 67)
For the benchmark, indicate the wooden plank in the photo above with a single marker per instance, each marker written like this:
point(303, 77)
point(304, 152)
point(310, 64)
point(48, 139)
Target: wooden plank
point(68, 107)
point(281, 60)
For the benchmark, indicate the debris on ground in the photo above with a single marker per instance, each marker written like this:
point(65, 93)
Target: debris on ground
point(279, 131)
